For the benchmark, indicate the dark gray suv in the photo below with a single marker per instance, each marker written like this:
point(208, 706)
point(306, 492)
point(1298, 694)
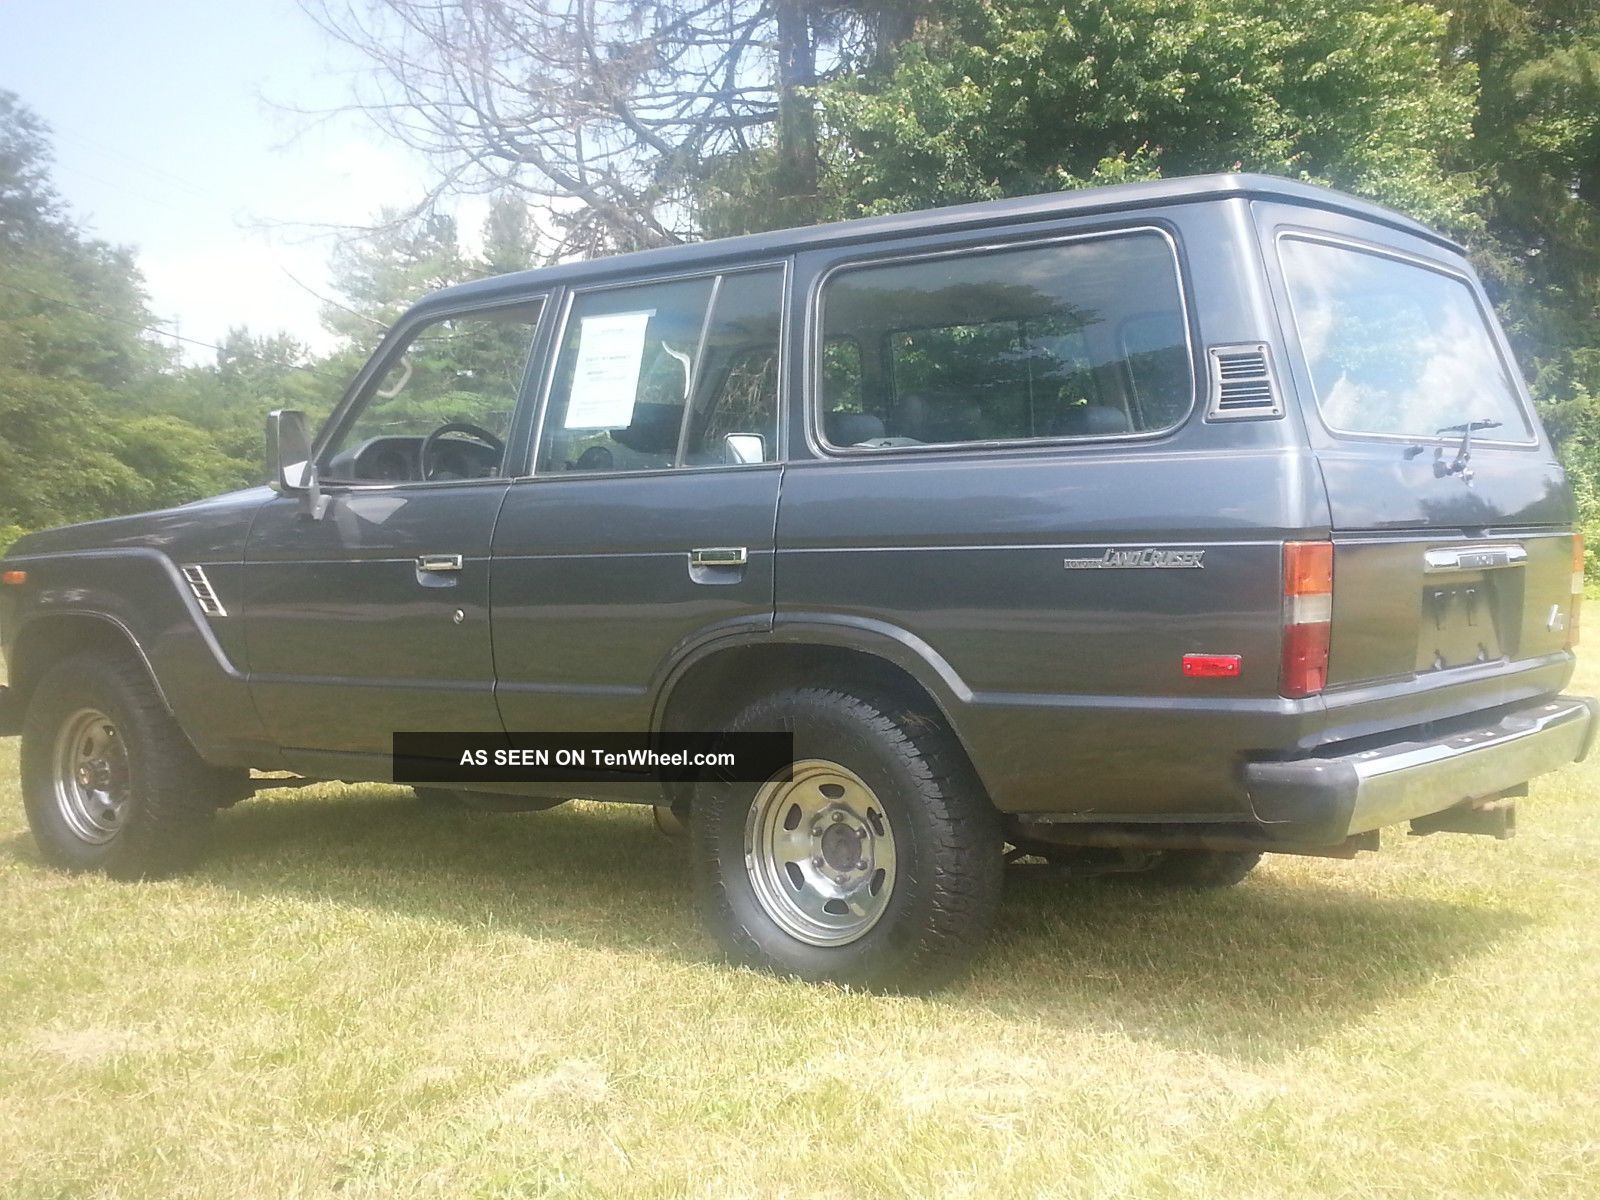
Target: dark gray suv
point(1145, 529)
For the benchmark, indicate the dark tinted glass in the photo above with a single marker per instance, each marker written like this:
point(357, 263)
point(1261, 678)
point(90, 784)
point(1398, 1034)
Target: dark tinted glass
point(1077, 339)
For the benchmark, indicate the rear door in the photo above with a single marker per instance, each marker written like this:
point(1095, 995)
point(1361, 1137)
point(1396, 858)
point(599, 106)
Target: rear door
point(1451, 516)
point(647, 525)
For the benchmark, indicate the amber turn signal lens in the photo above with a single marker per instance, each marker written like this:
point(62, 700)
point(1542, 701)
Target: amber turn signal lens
point(1307, 568)
point(13, 578)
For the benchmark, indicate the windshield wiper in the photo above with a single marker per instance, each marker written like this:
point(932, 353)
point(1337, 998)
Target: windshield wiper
point(1458, 465)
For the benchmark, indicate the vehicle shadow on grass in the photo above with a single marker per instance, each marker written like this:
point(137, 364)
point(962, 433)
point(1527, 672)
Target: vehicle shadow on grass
point(1254, 973)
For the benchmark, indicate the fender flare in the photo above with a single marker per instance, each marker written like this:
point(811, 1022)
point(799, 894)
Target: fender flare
point(878, 639)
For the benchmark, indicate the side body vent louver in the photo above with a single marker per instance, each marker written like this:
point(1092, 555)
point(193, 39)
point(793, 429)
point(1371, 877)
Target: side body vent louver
point(1243, 383)
point(204, 592)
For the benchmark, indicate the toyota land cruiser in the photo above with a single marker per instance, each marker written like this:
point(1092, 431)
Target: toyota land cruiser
point(1150, 528)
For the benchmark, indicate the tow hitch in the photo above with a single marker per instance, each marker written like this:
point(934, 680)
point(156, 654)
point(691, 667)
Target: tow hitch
point(1492, 816)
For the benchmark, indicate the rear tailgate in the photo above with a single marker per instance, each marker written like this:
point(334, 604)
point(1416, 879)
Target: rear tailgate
point(1407, 606)
point(1452, 547)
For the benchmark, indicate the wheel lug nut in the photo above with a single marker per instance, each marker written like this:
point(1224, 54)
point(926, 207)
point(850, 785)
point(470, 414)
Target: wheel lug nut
point(838, 816)
point(862, 865)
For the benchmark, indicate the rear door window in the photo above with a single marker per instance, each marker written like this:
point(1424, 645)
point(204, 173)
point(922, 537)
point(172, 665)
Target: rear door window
point(670, 374)
point(1074, 339)
point(1395, 348)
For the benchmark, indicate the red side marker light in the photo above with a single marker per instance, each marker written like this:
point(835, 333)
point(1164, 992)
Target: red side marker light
point(13, 578)
point(1211, 666)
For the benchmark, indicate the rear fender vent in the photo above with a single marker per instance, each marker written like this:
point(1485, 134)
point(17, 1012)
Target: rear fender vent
point(1243, 383)
point(204, 592)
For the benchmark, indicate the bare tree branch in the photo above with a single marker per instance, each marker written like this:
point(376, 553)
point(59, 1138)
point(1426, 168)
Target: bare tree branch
point(606, 115)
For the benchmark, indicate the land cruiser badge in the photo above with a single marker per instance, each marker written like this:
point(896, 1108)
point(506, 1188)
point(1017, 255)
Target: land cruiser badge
point(1147, 557)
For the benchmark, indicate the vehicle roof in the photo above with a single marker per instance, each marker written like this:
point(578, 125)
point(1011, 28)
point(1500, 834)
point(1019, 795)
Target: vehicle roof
point(1117, 198)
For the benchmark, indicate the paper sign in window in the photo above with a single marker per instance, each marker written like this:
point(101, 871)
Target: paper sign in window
point(605, 378)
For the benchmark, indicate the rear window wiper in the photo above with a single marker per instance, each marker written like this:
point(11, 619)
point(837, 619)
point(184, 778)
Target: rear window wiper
point(1458, 465)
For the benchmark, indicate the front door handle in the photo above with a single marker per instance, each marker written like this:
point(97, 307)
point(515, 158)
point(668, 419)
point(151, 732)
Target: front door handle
point(437, 563)
point(719, 556)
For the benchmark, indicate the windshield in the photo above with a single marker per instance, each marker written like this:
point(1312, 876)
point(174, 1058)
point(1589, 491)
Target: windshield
point(1395, 348)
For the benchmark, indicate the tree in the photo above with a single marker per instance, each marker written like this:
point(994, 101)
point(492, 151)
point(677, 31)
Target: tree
point(29, 205)
point(381, 275)
point(605, 114)
point(510, 238)
point(70, 309)
point(998, 99)
point(1536, 145)
point(81, 382)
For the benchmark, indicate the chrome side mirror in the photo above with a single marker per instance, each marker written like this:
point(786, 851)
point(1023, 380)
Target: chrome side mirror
point(744, 448)
point(290, 470)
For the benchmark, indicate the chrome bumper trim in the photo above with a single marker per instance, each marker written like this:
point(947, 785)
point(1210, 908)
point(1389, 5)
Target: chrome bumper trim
point(1330, 799)
point(1396, 786)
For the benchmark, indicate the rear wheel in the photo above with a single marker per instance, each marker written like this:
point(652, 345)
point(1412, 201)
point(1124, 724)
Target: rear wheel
point(877, 864)
point(109, 781)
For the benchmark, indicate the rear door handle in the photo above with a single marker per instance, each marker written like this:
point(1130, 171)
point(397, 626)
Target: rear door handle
point(438, 563)
point(1476, 558)
point(719, 556)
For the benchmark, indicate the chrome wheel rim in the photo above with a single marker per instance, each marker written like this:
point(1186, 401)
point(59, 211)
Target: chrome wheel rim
point(820, 852)
point(91, 776)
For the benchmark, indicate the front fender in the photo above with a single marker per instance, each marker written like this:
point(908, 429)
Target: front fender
point(141, 593)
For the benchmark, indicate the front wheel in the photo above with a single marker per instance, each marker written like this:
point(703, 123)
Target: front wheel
point(109, 781)
point(876, 864)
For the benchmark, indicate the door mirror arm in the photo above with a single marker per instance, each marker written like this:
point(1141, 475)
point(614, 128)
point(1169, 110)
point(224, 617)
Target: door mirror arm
point(290, 468)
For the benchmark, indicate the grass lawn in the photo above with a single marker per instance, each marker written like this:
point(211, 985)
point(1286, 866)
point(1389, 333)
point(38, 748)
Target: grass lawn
point(360, 997)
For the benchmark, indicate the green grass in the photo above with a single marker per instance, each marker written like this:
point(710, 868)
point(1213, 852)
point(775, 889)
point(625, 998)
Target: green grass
point(359, 997)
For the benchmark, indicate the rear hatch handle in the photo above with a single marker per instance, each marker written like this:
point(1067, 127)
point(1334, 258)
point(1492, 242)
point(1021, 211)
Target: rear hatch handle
point(1474, 558)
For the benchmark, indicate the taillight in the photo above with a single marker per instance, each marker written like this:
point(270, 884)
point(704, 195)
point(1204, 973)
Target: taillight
point(1307, 617)
point(1576, 609)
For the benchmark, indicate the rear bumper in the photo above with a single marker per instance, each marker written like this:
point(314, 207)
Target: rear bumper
point(1327, 799)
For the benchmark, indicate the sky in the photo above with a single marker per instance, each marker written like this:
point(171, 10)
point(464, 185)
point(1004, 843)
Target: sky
point(172, 136)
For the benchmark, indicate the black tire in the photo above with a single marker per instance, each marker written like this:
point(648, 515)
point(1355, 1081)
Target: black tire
point(946, 845)
point(1199, 869)
point(170, 795)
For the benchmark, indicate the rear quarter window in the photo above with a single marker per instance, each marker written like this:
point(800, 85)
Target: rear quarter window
point(1080, 338)
point(1395, 348)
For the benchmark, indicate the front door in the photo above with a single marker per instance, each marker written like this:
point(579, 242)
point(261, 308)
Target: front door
point(375, 616)
point(648, 523)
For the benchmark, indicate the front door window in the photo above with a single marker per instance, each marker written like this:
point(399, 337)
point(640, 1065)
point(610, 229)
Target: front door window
point(441, 409)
